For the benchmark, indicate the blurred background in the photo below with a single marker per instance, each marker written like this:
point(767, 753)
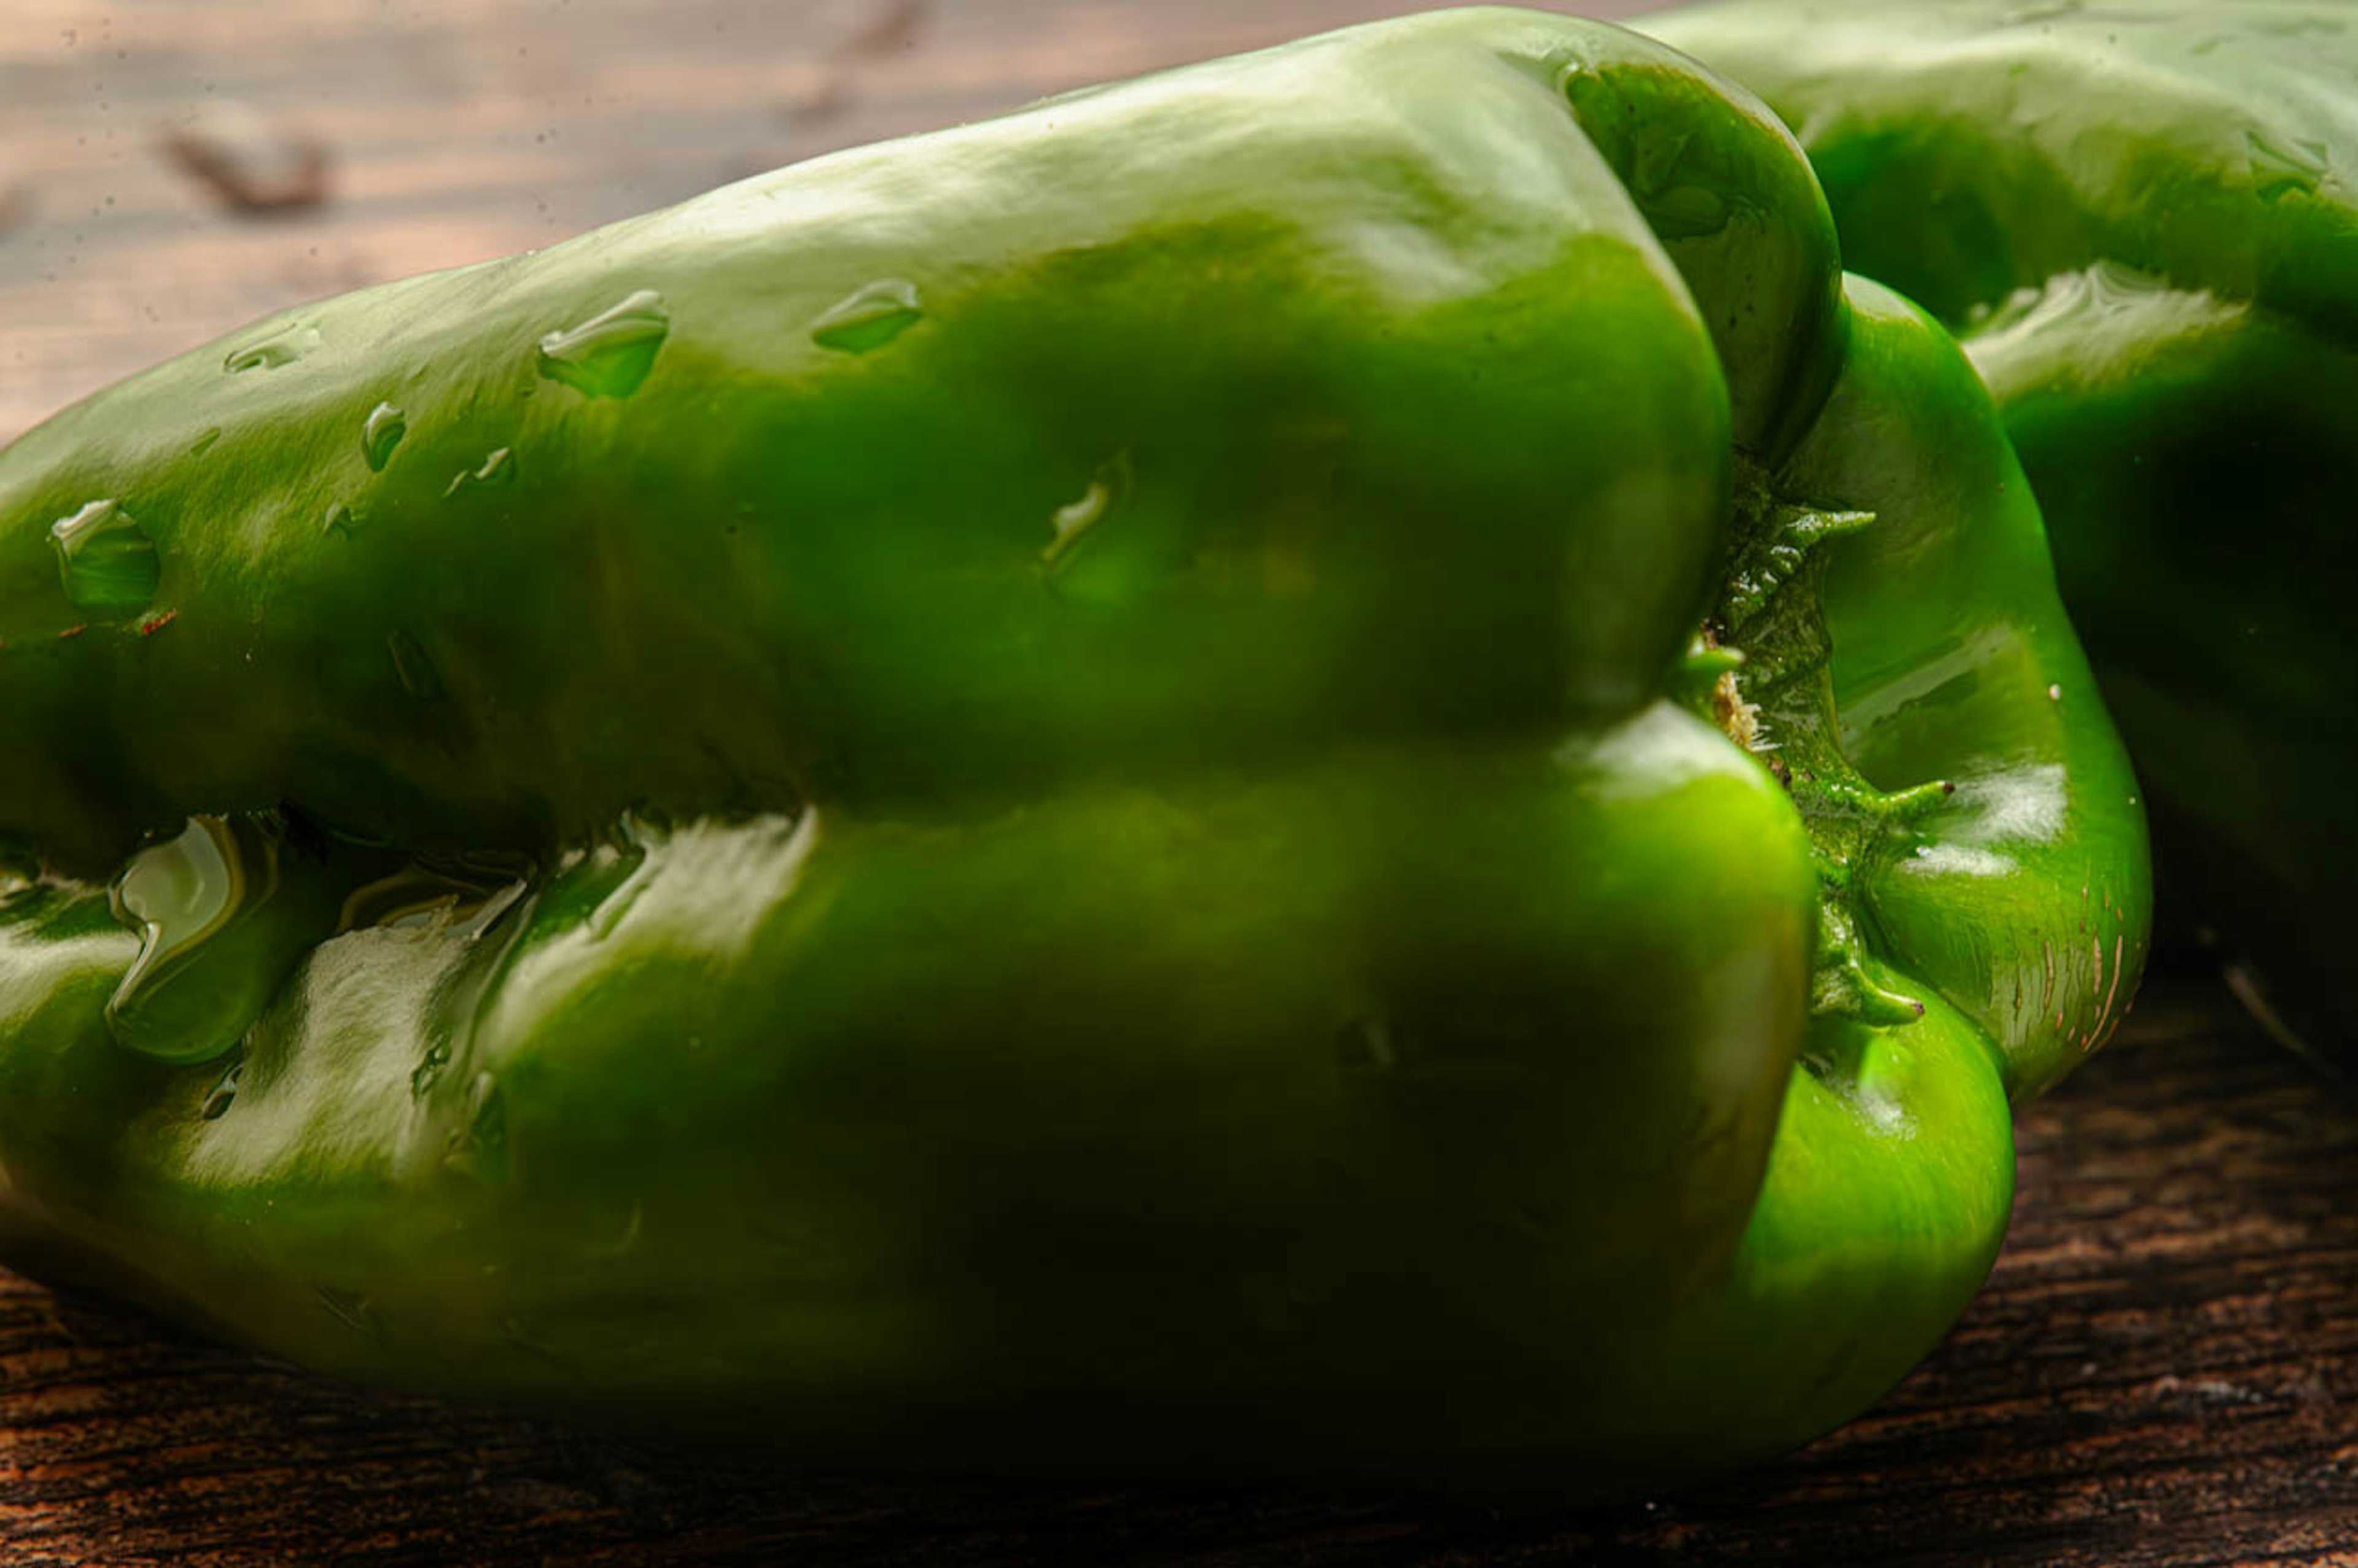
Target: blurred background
point(170, 169)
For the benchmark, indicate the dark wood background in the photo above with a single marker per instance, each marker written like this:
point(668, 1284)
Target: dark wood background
point(2164, 1369)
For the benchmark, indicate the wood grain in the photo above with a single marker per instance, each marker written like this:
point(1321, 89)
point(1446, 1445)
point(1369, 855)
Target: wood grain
point(2164, 1370)
point(463, 129)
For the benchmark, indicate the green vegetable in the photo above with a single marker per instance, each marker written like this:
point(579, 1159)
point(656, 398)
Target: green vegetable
point(2140, 217)
point(1045, 797)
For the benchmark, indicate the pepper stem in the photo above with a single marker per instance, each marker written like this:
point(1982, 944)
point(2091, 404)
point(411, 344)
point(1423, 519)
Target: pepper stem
point(1760, 670)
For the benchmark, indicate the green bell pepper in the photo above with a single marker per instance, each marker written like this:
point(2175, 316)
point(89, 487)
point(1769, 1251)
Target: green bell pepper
point(2139, 217)
point(1325, 766)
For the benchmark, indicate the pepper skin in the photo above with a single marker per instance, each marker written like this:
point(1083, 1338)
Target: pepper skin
point(1033, 799)
point(2138, 217)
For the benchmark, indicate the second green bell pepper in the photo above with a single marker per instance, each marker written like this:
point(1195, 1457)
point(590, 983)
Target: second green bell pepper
point(2139, 217)
point(1326, 765)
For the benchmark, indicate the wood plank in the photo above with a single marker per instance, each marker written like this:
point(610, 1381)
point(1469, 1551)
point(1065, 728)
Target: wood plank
point(465, 129)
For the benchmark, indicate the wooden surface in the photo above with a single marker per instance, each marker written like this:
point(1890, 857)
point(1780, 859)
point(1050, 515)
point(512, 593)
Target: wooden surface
point(2164, 1369)
point(458, 130)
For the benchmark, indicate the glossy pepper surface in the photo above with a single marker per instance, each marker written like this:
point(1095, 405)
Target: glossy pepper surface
point(2140, 216)
point(1323, 765)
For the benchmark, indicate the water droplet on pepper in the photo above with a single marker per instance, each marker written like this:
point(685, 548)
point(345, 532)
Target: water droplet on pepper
point(105, 558)
point(381, 432)
point(870, 317)
point(1069, 523)
point(611, 354)
point(223, 914)
point(497, 468)
point(284, 347)
point(222, 1093)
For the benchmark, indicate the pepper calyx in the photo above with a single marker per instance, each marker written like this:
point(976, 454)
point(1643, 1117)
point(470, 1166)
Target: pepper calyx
point(1760, 669)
